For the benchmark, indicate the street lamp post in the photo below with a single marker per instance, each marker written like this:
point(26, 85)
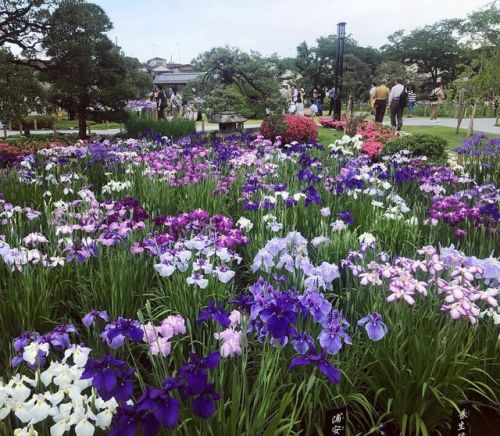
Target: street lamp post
point(339, 64)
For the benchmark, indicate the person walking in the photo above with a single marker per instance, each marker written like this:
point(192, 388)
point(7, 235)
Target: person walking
point(381, 96)
point(436, 98)
point(176, 100)
point(397, 101)
point(161, 102)
point(412, 101)
point(299, 105)
point(314, 110)
point(295, 93)
point(372, 97)
point(332, 94)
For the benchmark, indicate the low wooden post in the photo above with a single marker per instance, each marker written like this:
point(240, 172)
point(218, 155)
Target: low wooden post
point(54, 128)
point(20, 128)
point(35, 124)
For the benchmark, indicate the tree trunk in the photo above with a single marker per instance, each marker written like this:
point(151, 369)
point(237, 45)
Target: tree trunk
point(470, 130)
point(461, 109)
point(82, 124)
point(4, 131)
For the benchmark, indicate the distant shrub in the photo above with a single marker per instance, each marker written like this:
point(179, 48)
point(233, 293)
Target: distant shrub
point(137, 127)
point(290, 128)
point(431, 146)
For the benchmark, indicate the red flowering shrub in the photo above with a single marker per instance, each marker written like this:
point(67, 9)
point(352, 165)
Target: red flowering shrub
point(290, 128)
point(332, 124)
point(372, 147)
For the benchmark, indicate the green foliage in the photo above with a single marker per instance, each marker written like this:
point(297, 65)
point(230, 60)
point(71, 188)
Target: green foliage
point(20, 90)
point(435, 49)
point(42, 121)
point(138, 127)
point(249, 76)
point(432, 146)
point(230, 98)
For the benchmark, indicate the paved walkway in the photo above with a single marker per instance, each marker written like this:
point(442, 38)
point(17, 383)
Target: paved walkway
point(486, 125)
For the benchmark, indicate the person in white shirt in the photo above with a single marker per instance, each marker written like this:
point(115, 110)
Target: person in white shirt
point(397, 104)
point(372, 97)
point(314, 109)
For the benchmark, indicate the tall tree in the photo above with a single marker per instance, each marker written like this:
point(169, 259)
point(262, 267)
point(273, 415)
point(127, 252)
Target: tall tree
point(85, 66)
point(434, 49)
point(23, 22)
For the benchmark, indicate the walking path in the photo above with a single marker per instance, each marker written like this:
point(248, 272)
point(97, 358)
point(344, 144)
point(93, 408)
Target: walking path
point(486, 125)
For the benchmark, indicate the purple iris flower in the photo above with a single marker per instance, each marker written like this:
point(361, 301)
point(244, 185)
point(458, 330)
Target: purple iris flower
point(280, 317)
point(204, 404)
point(59, 336)
point(374, 326)
point(128, 420)
point(193, 376)
point(111, 377)
point(333, 333)
point(320, 361)
point(290, 202)
point(312, 196)
point(117, 331)
point(346, 216)
point(162, 405)
point(215, 312)
point(89, 319)
point(315, 303)
point(302, 343)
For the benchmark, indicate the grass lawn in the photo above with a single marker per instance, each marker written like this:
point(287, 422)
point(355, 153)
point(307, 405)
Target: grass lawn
point(73, 124)
point(328, 136)
point(448, 133)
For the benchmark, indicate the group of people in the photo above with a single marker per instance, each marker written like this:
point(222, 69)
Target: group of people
point(295, 98)
point(175, 103)
point(399, 97)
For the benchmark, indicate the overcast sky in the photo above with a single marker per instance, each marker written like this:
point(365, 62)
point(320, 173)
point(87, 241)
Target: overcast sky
point(147, 28)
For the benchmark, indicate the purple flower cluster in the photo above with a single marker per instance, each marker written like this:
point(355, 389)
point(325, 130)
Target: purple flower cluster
point(40, 345)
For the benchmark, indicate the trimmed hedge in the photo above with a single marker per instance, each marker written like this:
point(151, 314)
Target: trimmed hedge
point(434, 147)
point(138, 127)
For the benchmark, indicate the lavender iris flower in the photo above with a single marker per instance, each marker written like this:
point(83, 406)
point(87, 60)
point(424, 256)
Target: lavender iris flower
point(374, 326)
point(90, 317)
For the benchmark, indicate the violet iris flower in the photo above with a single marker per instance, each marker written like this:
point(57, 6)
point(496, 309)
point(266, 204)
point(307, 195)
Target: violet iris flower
point(128, 420)
point(346, 216)
point(374, 326)
point(116, 332)
point(215, 312)
point(319, 360)
point(164, 407)
point(111, 377)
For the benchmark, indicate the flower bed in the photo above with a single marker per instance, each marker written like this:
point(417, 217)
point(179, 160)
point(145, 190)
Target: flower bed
point(246, 286)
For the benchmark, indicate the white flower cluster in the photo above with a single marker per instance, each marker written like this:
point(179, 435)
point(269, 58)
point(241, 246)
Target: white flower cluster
point(346, 144)
point(272, 223)
point(68, 401)
point(201, 256)
point(115, 186)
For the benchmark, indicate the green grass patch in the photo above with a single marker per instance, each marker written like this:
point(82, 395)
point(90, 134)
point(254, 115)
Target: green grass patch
point(327, 136)
point(448, 133)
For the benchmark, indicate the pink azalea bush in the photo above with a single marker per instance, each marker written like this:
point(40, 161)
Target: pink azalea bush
point(290, 128)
